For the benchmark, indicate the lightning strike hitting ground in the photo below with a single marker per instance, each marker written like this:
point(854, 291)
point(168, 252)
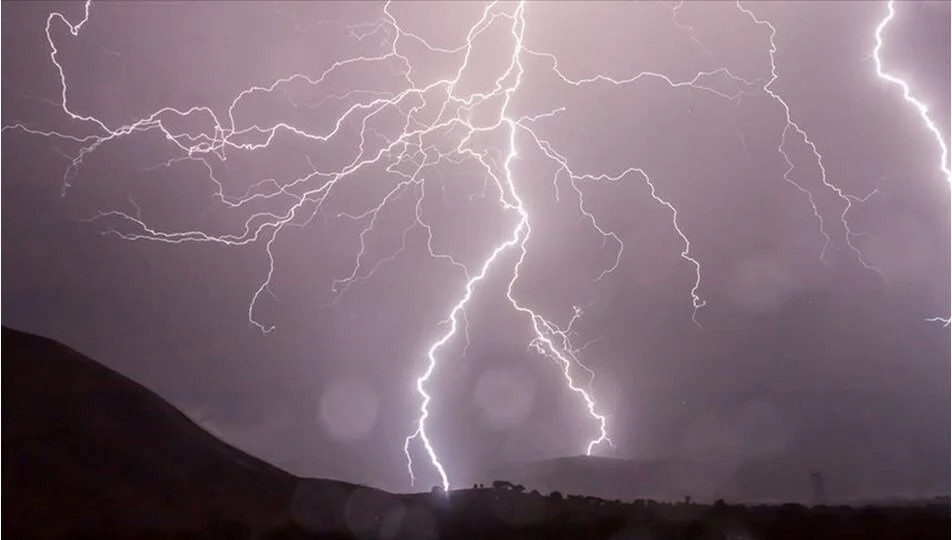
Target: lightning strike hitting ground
point(409, 157)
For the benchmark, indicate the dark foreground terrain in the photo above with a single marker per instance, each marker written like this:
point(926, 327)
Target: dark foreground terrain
point(88, 453)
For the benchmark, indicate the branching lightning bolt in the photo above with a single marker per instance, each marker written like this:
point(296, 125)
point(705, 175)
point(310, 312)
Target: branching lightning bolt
point(919, 106)
point(846, 198)
point(410, 158)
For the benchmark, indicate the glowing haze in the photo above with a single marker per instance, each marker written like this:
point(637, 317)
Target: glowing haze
point(449, 141)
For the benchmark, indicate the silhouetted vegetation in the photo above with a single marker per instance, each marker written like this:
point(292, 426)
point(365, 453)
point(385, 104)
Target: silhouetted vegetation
point(503, 512)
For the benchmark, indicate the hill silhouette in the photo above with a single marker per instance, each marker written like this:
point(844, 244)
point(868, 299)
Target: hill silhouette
point(85, 447)
point(89, 453)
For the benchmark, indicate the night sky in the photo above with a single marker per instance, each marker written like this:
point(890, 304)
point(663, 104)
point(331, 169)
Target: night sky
point(820, 363)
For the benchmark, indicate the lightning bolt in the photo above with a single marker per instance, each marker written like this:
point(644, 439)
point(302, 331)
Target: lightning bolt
point(428, 137)
point(919, 106)
point(792, 125)
point(946, 321)
point(907, 96)
point(544, 330)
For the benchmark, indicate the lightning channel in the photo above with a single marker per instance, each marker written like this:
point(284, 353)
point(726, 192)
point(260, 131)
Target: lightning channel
point(921, 108)
point(792, 125)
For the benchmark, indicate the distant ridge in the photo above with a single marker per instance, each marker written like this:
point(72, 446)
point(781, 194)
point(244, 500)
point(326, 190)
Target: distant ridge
point(768, 480)
point(612, 478)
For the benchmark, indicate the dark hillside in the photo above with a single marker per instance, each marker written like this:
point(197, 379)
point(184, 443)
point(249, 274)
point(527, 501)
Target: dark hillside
point(85, 447)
